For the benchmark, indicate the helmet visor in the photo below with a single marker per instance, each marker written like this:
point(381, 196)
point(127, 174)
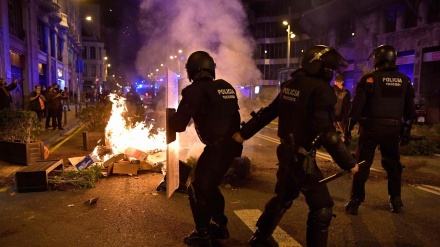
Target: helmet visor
point(332, 59)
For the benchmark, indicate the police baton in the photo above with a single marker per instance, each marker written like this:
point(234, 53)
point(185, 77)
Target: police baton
point(333, 177)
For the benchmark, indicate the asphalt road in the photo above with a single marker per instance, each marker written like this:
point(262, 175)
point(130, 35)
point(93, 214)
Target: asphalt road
point(130, 212)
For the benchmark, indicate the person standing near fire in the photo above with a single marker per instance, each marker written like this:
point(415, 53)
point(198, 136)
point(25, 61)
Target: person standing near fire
point(304, 107)
point(36, 102)
point(383, 99)
point(213, 106)
point(54, 103)
point(5, 95)
point(342, 107)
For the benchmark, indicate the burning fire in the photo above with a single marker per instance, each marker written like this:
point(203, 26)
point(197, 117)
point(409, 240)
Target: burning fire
point(120, 136)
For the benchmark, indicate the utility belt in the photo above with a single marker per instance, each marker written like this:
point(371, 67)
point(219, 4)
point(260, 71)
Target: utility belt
point(289, 152)
point(380, 121)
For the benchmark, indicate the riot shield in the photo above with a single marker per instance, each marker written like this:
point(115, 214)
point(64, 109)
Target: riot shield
point(173, 147)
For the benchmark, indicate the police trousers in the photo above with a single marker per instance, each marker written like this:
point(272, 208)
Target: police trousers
point(386, 136)
point(206, 200)
point(291, 180)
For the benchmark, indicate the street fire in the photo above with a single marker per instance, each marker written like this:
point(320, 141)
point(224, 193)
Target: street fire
point(121, 137)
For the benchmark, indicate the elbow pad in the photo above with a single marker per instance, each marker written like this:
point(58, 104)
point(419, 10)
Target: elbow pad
point(256, 123)
point(337, 149)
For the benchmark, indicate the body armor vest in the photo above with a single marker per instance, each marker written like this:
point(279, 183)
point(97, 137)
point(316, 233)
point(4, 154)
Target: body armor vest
point(218, 117)
point(386, 95)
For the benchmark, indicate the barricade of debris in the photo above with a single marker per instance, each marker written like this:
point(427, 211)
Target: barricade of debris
point(127, 163)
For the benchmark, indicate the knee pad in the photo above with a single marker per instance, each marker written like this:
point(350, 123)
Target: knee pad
point(320, 217)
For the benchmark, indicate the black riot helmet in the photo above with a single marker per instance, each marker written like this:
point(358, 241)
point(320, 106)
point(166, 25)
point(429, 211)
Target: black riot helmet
point(321, 61)
point(384, 56)
point(199, 61)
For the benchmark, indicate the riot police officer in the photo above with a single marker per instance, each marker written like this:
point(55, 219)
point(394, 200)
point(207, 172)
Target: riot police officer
point(383, 98)
point(305, 107)
point(213, 105)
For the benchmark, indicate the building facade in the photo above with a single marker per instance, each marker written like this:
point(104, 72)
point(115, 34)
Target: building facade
point(355, 28)
point(40, 43)
point(93, 54)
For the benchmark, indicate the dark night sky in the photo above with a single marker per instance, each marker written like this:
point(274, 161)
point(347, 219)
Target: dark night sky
point(120, 34)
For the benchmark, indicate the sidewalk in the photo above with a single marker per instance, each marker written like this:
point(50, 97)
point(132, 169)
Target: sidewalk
point(49, 137)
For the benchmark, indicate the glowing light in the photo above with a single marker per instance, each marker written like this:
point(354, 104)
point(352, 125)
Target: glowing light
point(180, 51)
point(88, 18)
point(292, 35)
point(120, 135)
point(257, 90)
point(285, 23)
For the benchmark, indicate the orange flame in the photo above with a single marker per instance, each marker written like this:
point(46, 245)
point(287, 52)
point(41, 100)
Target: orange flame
point(120, 135)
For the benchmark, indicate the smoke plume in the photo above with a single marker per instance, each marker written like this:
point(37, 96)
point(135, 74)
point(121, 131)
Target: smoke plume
point(218, 27)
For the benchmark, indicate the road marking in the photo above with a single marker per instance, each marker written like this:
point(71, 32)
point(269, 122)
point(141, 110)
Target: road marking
point(65, 139)
point(319, 154)
point(429, 189)
point(4, 189)
point(250, 217)
point(376, 170)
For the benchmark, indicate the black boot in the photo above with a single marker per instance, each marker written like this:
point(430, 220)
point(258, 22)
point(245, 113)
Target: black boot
point(218, 232)
point(352, 206)
point(260, 240)
point(199, 237)
point(396, 204)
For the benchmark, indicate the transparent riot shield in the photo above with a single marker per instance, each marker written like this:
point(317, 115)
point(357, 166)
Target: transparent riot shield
point(173, 147)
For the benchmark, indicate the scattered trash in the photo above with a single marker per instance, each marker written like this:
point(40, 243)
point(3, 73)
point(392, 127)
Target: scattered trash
point(91, 200)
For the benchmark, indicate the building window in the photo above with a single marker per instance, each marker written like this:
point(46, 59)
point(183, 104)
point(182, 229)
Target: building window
point(93, 70)
point(390, 19)
point(16, 19)
point(345, 32)
point(84, 52)
point(434, 11)
point(100, 53)
point(411, 16)
point(59, 49)
point(92, 52)
point(85, 72)
point(41, 36)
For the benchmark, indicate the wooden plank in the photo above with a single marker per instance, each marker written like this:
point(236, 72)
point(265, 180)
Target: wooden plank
point(34, 177)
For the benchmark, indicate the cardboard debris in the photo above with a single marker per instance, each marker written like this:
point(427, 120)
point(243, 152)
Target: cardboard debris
point(82, 163)
point(136, 153)
point(159, 157)
point(108, 164)
point(113, 159)
point(150, 166)
point(125, 167)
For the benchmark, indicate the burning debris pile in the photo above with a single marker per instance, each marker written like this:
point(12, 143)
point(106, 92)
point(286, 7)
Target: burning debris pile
point(128, 146)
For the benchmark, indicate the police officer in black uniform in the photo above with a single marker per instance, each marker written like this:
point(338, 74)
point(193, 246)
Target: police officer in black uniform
point(305, 107)
point(383, 99)
point(213, 105)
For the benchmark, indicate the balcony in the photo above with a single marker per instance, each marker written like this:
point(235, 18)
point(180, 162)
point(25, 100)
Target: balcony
point(52, 8)
point(63, 24)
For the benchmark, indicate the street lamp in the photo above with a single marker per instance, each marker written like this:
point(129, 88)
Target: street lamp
point(290, 35)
